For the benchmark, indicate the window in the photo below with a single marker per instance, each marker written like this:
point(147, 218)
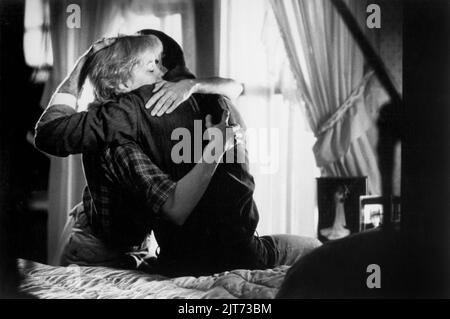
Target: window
point(279, 139)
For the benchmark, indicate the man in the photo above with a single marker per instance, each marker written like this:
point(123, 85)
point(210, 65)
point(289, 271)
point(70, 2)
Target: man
point(218, 215)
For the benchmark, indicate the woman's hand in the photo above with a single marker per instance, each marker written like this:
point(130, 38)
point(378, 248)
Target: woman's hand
point(223, 137)
point(169, 95)
point(70, 83)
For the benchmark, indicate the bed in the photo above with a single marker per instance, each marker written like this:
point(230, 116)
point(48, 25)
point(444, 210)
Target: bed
point(44, 281)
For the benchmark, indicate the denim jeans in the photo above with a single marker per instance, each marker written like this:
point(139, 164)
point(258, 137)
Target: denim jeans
point(272, 251)
point(79, 246)
point(277, 250)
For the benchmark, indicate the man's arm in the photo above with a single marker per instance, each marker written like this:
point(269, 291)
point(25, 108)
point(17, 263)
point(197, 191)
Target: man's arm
point(62, 131)
point(172, 200)
point(169, 95)
point(216, 85)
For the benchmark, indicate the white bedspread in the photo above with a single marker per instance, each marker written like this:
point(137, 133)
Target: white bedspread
point(45, 281)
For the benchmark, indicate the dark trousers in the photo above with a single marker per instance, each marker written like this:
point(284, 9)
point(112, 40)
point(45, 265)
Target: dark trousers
point(258, 253)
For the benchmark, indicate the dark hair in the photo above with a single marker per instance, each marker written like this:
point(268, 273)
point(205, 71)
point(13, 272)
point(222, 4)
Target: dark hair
point(173, 58)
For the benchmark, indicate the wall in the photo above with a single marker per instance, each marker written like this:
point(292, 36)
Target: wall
point(22, 168)
point(391, 51)
point(388, 43)
point(391, 39)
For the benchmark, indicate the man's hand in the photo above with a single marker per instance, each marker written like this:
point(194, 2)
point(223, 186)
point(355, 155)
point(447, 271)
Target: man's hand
point(100, 44)
point(169, 95)
point(223, 137)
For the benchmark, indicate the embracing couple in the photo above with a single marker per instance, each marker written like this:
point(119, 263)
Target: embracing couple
point(201, 210)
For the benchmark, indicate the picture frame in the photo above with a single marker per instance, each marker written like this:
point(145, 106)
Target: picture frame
point(339, 206)
point(371, 211)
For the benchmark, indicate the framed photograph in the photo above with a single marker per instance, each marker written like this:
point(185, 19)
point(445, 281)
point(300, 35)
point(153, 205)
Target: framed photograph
point(339, 206)
point(371, 211)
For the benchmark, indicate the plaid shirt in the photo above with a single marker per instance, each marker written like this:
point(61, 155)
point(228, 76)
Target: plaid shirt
point(125, 193)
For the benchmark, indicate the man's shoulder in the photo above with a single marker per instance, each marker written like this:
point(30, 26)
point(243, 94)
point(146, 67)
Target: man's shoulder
point(140, 95)
point(129, 103)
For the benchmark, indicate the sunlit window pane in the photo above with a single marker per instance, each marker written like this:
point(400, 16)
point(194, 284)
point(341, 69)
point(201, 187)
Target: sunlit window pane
point(37, 40)
point(279, 140)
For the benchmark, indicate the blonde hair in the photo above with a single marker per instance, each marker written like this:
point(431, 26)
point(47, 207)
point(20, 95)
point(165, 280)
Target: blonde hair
point(113, 65)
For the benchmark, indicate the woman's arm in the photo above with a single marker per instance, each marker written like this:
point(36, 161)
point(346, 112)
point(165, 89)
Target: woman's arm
point(63, 129)
point(190, 189)
point(56, 122)
point(169, 95)
point(174, 200)
point(69, 89)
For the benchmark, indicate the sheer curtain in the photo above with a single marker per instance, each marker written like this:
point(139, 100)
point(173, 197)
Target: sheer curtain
point(279, 139)
point(100, 18)
point(341, 97)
